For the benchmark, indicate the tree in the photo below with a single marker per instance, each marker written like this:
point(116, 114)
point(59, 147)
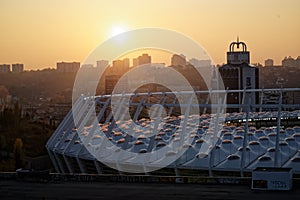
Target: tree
point(3, 145)
point(3, 92)
point(19, 153)
point(3, 142)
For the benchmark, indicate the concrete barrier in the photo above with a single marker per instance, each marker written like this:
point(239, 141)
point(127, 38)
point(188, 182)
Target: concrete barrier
point(56, 177)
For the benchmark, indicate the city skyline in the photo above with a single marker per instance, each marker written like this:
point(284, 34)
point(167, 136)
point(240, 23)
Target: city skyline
point(41, 33)
point(8, 67)
point(166, 62)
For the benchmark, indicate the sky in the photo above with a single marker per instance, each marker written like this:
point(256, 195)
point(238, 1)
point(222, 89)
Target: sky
point(40, 33)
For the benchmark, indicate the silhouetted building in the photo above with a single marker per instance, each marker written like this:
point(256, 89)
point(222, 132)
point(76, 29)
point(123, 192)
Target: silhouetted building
point(110, 82)
point(87, 66)
point(141, 60)
point(178, 60)
point(66, 67)
point(238, 74)
point(144, 59)
point(200, 63)
point(269, 63)
point(279, 76)
point(102, 63)
point(135, 62)
point(126, 63)
point(119, 67)
point(291, 62)
point(17, 68)
point(5, 68)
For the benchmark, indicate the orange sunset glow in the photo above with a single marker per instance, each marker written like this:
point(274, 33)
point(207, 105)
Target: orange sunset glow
point(41, 33)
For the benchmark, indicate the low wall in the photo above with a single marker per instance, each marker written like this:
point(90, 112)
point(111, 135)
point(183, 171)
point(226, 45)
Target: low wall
point(124, 178)
point(55, 177)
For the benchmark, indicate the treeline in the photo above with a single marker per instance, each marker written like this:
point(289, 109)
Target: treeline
point(20, 138)
point(37, 84)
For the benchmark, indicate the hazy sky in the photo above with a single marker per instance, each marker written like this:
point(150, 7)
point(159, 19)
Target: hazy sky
point(40, 33)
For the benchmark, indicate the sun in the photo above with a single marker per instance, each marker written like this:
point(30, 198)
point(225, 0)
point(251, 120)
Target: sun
point(116, 30)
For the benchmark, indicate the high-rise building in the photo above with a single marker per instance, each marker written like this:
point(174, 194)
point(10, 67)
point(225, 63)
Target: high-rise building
point(200, 63)
point(5, 68)
point(269, 63)
point(119, 67)
point(135, 62)
point(291, 62)
point(87, 66)
point(141, 60)
point(178, 60)
point(144, 59)
point(126, 63)
point(17, 68)
point(102, 63)
point(298, 62)
point(118, 64)
point(110, 82)
point(238, 74)
point(67, 67)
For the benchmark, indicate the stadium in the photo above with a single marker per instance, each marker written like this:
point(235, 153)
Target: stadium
point(150, 124)
point(210, 143)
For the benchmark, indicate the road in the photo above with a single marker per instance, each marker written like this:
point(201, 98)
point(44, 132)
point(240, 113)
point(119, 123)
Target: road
point(10, 189)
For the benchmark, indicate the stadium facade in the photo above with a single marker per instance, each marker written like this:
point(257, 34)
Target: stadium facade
point(246, 139)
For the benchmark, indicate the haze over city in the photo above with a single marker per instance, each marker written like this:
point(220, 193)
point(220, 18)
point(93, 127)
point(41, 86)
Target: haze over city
point(41, 33)
point(149, 99)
